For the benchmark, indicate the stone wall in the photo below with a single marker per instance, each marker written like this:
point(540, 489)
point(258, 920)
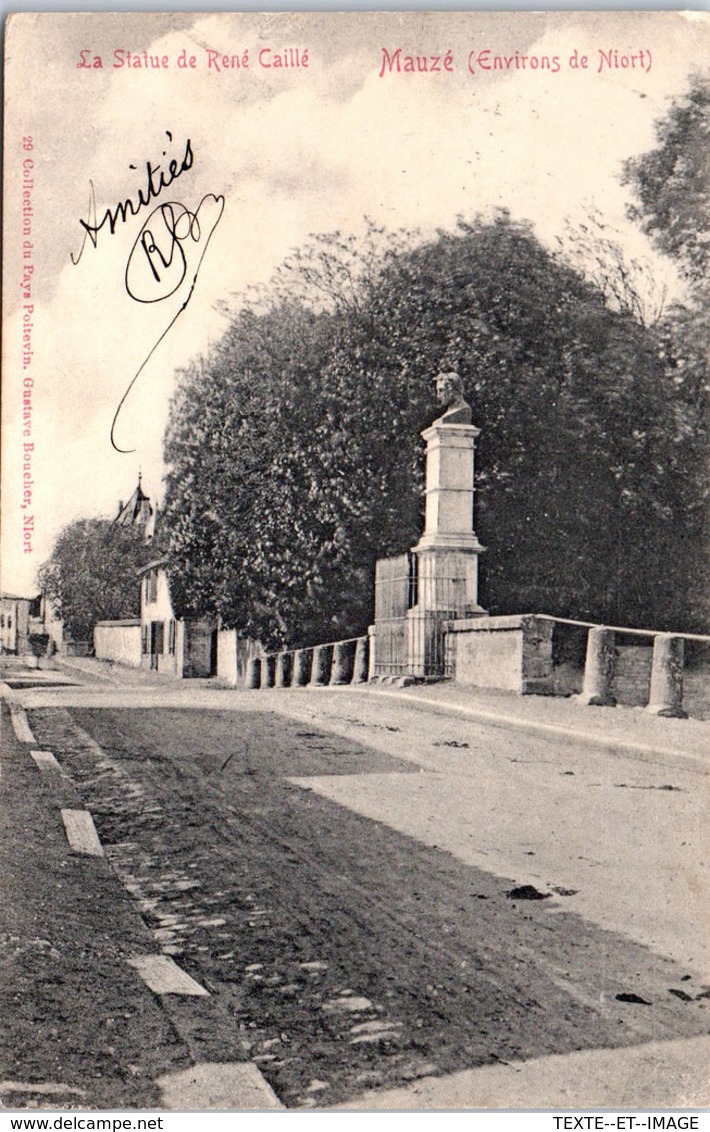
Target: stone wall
point(696, 687)
point(118, 641)
point(227, 657)
point(513, 654)
point(233, 654)
point(632, 674)
point(198, 649)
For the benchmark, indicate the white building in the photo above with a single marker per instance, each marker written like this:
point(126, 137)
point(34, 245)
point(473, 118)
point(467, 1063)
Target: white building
point(158, 640)
point(168, 644)
point(15, 623)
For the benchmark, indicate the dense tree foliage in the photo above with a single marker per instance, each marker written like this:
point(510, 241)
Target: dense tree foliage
point(92, 574)
point(672, 187)
point(295, 457)
point(671, 182)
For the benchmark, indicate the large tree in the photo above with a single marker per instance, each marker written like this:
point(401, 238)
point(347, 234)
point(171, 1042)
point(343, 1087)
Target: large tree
point(671, 184)
point(92, 574)
point(295, 457)
point(672, 180)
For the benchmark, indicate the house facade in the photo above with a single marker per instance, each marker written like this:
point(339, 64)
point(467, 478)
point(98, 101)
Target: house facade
point(185, 648)
point(157, 640)
point(15, 624)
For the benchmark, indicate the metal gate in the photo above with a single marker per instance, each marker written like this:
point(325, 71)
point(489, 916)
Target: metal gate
point(414, 602)
point(395, 594)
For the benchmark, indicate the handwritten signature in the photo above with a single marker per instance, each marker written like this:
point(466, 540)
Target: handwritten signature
point(162, 258)
point(168, 252)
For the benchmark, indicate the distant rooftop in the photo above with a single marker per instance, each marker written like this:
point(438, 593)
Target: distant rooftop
point(138, 512)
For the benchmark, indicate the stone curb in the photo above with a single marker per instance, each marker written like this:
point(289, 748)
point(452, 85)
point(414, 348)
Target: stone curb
point(628, 746)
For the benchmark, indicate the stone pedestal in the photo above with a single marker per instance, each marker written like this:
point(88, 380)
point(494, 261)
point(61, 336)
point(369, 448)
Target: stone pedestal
point(447, 553)
point(448, 522)
point(448, 550)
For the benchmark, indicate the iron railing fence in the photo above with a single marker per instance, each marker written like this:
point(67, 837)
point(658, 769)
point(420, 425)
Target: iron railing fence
point(416, 595)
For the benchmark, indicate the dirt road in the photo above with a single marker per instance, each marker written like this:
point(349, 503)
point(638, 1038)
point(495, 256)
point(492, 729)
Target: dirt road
point(373, 896)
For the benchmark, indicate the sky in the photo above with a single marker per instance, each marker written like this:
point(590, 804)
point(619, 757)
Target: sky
point(274, 155)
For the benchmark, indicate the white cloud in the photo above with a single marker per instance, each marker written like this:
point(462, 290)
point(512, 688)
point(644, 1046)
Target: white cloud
point(293, 153)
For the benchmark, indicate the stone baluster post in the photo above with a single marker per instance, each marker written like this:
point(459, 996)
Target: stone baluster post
point(599, 668)
point(301, 671)
point(252, 676)
point(268, 671)
point(666, 697)
point(361, 661)
point(282, 677)
point(320, 669)
point(341, 670)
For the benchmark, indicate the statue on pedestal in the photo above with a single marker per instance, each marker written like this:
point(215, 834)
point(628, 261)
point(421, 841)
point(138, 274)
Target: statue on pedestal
point(449, 392)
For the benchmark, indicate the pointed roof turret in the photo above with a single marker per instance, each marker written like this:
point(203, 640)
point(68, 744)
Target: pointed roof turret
point(137, 512)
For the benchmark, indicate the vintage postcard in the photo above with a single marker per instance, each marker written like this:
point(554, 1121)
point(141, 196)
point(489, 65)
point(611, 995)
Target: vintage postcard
point(355, 636)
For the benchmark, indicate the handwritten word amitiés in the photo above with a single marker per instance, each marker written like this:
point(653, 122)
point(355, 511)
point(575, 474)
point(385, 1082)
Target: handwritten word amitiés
point(157, 179)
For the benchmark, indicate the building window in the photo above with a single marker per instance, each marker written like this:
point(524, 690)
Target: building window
point(171, 637)
point(144, 639)
point(2, 620)
point(159, 638)
point(151, 587)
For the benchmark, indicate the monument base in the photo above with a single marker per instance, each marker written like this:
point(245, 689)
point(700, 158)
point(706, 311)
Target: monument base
point(447, 577)
point(446, 591)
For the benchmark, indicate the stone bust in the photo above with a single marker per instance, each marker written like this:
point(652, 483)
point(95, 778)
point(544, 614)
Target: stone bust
point(449, 392)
